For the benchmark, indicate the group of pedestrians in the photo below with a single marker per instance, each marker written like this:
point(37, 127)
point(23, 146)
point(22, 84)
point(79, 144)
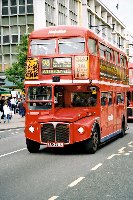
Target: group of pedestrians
point(10, 106)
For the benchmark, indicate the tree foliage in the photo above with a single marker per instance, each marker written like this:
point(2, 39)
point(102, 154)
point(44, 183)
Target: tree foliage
point(16, 73)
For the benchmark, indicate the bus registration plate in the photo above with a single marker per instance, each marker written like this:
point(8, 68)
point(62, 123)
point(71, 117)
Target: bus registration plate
point(55, 144)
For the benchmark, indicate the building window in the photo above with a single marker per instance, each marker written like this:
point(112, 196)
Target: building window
point(29, 1)
point(30, 28)
point(22, 30)
point(21, 20)
point(5, 11)
point(14, 38)
point(21, 9)
point(13, 3)
point(5, 21)
point(13, 20)
point(73, 9)
point(29, 8)
point(62, 13)
point(6, 39)
point(21, 2)
point(4, 2)
point(13, 10)
point(30, 19)
point(49, 8)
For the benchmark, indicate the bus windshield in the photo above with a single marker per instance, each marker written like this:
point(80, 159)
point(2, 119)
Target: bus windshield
point(84, 99)
point(36, 95)
point(71, 45)
point(42, 47)
point(40, 93)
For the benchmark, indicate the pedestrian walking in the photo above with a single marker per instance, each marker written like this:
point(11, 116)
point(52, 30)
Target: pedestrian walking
point(21, 108)
point(13, 104)
point(2, 100)
point(7, 111)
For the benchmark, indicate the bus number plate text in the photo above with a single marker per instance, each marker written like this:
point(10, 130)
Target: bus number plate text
point(55, 144)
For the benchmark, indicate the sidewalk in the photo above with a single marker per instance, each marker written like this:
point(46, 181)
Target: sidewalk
point(16, 122)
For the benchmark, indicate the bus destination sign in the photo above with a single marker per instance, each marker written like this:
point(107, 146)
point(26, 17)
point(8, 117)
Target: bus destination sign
point(82, 67)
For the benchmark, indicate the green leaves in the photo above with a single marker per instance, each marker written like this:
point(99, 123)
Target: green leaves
point(16, 73)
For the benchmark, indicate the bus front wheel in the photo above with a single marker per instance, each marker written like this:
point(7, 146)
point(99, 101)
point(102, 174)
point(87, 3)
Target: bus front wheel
point(32, 146)
point(91, 145)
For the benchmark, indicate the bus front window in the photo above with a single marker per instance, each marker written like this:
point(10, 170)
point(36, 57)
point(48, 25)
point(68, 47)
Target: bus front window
point(37, 95)
point(42, 47)
point(72, 46)
point(84, 99)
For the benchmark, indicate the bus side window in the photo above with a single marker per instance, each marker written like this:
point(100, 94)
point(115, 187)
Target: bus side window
point(102, 49)
point(119, 98)
point(92, 46)
point(104, 98)
point(110, 98)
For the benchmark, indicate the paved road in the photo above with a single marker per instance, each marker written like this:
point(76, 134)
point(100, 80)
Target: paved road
point(65, 174)
point(10, 132)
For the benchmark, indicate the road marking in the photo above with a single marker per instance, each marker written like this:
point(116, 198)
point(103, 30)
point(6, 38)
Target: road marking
point(76, 182)
point(111, 156)
point(96, 167)
point(2, 131)
point(126, 154)
point(121, 150)
point(6, 154)
point(9, 130)
point(130, 145)
point(53, 198)
point(130, 142)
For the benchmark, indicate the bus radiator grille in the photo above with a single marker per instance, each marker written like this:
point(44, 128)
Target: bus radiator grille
point(47, 133)
point(62, 133)
point(129, 112)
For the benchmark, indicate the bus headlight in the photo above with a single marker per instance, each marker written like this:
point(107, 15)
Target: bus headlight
point(31, 129)
point(81, 130)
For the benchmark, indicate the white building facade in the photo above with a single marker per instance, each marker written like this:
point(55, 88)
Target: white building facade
point(22, 16)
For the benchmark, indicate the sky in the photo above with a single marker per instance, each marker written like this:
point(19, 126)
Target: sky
point(124, 12)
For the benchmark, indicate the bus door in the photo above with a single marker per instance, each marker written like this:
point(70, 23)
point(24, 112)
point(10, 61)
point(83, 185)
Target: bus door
point(119, 109)
point(115, 112)
point(104, 114)
point(110, 113)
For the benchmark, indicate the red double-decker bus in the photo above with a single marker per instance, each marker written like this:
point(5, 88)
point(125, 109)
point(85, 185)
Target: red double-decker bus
point(75, 86)
point(130, 94)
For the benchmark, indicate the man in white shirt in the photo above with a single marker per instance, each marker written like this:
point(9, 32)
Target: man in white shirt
point(13, 104)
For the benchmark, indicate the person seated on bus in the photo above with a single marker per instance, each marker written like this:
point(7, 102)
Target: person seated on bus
point(48, 94)
point(128, 102)
point(78, 100)
point(91, 100)
point(103, 101)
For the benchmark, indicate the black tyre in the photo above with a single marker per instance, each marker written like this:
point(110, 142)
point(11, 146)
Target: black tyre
point(32, 146)
point(91, 145)
point(123, 129)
